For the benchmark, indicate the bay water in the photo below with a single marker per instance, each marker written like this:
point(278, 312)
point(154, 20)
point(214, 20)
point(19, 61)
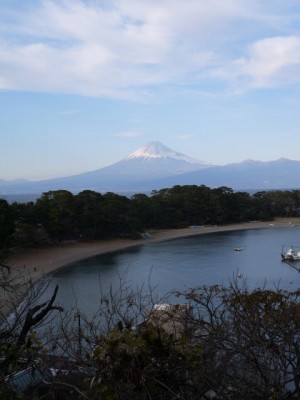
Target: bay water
point(181, 264)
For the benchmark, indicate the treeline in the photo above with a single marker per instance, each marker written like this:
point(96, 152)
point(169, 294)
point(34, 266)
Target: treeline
point(60, 215)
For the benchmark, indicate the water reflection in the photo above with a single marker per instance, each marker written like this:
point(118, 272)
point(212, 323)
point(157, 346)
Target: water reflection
point(182, 264)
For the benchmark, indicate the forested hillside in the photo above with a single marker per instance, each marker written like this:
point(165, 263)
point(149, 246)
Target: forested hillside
point(60, 215)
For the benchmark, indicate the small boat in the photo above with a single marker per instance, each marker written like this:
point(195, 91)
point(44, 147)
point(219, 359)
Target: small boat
point(290, 255)
point(238, 248)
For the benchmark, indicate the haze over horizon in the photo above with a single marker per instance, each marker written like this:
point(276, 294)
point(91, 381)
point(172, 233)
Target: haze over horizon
point(84, 83)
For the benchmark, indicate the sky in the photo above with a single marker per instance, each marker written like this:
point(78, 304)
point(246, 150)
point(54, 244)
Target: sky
point(83, 83)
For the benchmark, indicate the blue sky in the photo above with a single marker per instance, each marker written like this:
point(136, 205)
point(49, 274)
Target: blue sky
point(83, 83)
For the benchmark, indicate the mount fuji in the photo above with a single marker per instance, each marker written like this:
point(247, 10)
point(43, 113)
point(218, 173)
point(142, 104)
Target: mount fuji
point(155, 166)
point(133, 173)
point(154, 160)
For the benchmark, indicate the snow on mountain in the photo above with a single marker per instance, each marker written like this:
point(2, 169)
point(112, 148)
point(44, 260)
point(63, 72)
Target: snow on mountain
point(156, 150)
point(153, 160)
point(156, 166)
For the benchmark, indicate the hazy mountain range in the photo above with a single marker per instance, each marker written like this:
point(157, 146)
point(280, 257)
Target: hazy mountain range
point(156, 166)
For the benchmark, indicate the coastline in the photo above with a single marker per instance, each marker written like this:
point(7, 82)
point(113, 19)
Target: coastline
point(43, 261)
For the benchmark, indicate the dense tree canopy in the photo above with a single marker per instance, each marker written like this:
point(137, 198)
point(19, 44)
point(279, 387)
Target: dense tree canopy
point(60, 215)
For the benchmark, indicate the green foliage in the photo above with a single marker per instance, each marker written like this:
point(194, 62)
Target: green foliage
point(57, 213)
point(237, 344)
point(6, 223)
point(89, 214)
point(142, 364)
point(60, 215)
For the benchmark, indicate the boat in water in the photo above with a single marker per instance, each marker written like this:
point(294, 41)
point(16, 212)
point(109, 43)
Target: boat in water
point(238, 249)
point(290, 255)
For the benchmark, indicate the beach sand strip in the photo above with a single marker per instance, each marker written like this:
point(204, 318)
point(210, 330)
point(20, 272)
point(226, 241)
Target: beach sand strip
point(43, 261)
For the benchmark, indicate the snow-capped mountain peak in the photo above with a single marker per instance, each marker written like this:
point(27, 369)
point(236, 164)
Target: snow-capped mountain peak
point(156, 150)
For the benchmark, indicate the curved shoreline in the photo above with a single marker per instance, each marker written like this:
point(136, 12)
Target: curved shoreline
point(43, 261)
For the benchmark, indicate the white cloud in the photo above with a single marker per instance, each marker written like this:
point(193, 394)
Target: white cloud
point(272, 60)
point(123, 48)
point(269, 62)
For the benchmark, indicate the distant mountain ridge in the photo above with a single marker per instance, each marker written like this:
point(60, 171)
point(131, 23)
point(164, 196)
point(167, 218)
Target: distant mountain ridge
point(278, 174)
point(155, 166)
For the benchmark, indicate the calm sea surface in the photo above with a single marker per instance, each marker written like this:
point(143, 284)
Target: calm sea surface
point(182, 264)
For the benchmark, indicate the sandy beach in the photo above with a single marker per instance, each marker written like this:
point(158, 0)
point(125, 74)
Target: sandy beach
point(43, 261)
